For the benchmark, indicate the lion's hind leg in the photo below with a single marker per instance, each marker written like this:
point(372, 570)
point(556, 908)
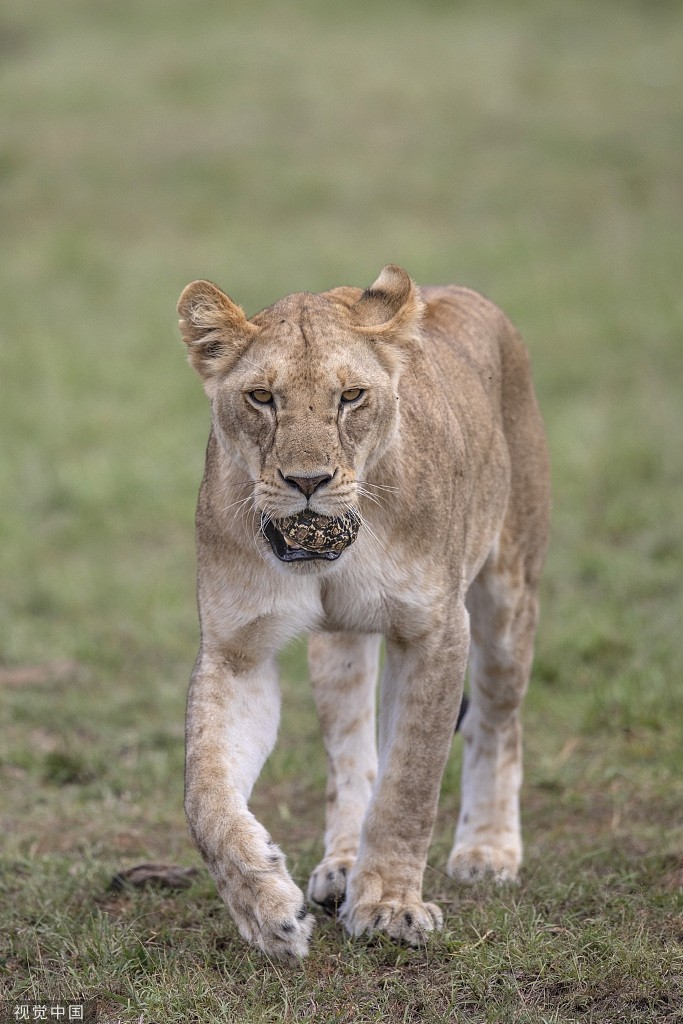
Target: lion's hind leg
point(343, 670)
point(503, 609)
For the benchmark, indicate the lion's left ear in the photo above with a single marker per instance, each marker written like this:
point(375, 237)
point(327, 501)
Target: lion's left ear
point(391, 308)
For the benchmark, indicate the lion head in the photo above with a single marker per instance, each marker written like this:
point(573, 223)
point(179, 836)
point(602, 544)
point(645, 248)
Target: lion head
point(305, 399)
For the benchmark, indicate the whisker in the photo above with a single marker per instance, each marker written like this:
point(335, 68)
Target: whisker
point(381, 487)
point(366, 526)
point(243, 508)
point(356, 514)
point(371, 497)
point(379, 500)
point(263, 518)
point(249, 511)
point(241, 502)
point(375, 536)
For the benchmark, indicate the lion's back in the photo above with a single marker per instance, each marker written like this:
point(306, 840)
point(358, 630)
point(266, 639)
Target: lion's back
point(486, 373)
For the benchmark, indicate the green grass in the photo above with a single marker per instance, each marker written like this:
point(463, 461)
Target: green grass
point(532, 150)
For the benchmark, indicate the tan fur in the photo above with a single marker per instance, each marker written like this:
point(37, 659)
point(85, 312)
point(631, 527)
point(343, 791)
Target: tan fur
point(444, 458)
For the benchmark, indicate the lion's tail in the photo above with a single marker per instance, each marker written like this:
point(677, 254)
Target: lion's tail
point(463, 711)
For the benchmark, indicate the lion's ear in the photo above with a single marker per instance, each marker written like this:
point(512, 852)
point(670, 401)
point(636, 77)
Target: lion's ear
point(214, 328)
point(391, 307)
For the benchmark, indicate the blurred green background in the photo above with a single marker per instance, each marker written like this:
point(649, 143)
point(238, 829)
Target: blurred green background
point(532, 150)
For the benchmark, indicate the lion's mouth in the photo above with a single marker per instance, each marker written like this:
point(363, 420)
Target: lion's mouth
point(309, 535)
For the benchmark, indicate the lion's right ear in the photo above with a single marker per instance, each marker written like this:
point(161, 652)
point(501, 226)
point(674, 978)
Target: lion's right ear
point(214, 328)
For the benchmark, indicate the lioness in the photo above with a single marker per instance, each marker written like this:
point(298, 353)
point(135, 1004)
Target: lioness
point(376, 467)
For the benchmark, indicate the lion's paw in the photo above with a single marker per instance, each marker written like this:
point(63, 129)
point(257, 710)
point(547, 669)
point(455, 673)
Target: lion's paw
point(270, 912)
point(406, 920)
point(327, 884)
point(472, 864)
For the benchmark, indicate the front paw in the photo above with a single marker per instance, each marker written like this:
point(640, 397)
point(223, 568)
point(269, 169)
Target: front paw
point(327, 884)
point(484, 861)
point(403, 917)
point(270, 912)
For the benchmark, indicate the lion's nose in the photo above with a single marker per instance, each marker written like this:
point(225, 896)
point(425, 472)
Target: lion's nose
point(307, 484)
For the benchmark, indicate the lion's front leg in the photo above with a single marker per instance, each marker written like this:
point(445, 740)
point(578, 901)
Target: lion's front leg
point(343, 670)
point(232, 720)
point(421, 693)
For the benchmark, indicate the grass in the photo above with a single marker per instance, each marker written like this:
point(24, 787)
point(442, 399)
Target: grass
point(532, 150)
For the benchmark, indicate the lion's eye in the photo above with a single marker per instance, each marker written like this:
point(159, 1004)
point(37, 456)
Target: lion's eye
point(261, 396)
point(352, 394)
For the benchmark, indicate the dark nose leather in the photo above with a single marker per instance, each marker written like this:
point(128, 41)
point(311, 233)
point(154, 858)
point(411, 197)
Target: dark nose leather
point(308, 484)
